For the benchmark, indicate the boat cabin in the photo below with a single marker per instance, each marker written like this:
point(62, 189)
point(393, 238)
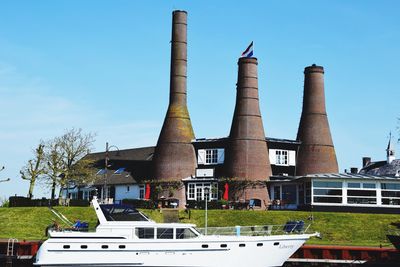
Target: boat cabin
point(130, 223)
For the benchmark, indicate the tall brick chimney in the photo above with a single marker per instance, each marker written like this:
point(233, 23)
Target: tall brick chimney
point(316, 153)
point(174, 156)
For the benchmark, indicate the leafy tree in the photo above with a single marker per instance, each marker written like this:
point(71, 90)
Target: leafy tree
point(33, 169)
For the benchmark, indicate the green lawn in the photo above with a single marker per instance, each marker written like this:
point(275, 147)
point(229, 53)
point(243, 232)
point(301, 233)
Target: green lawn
point(336, 228)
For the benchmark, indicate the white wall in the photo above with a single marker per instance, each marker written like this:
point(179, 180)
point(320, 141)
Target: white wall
point(121, 192)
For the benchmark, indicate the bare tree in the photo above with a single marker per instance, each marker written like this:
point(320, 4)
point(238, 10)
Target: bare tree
point(33, 169)
point(72, 147)
point(53, 168)
point(3, 180)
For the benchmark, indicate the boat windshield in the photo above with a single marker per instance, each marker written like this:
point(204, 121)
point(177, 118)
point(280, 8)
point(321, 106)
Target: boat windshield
point(122, 213)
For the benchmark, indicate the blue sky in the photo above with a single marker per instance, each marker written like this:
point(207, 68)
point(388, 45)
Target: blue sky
point(103, 66)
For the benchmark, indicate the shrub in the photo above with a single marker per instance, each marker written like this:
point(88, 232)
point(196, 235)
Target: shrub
point(140, 203)
point(4, 203)
point(212, 205)
point(17, 201)
point(79, 202)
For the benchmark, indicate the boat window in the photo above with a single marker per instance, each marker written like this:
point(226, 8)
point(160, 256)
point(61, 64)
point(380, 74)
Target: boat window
point(117, 212)
point(276, 243)
point(66, 246)
point(122, 246)
point(185, 233)
point(242, 245)
point(104, 246)
point(260, 244)
point(224, 245)
point(165, 233)
point(145, 232)
point(204, 246)
point(84, 246)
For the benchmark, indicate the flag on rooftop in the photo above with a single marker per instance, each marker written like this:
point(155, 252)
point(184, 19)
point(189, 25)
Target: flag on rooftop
point(101, 171)
point(119, 171)
point(249, 51)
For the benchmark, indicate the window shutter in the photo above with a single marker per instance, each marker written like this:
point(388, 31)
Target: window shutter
point(221, 155)
point(201, 156)
point(292, 158)
point(272, 156)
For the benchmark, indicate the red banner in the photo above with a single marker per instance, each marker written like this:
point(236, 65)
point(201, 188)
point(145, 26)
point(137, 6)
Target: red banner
point(147, 192)
point(226, 192)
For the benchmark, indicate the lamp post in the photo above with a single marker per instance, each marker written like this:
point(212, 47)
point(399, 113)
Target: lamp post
point(206, 192)
point(107, 158)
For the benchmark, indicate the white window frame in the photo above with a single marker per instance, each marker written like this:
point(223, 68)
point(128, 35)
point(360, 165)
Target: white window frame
point(210, 156)
point(198, 193)
point(282, 157)
point(191, 191)
point(328, 196)
point(390, 198)
point(361, 187)
point(142, 191)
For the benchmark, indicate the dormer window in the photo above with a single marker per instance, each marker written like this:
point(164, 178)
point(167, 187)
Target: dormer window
point(210, 156)
point(281, 157)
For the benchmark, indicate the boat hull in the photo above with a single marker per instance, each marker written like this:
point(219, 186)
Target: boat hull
point(207, 252)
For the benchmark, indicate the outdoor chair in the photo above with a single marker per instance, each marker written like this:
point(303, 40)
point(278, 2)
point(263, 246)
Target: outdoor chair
point(251, 204)
point(82, 227)
point(293, 226)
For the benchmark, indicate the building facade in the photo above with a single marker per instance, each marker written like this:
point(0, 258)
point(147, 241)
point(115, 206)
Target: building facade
point(129, 171)
point(336, 192)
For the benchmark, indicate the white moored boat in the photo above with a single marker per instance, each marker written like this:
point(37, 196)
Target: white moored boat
point(142, 242)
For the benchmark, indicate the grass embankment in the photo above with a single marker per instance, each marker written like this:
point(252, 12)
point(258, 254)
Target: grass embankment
point(336, 228)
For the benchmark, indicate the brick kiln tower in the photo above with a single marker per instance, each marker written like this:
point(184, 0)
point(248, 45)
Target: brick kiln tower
point(316, 153)
point(174, 156)
point(247, 153)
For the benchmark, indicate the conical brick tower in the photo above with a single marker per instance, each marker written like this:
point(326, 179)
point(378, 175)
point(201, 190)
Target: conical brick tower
point(247, 153)
point(316, 153)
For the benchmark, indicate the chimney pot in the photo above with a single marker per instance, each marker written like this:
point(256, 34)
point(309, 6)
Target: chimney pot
point(354, 170)
point(366, 161)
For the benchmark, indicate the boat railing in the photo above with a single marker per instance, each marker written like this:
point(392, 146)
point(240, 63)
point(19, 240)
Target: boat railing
point(258, 230)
